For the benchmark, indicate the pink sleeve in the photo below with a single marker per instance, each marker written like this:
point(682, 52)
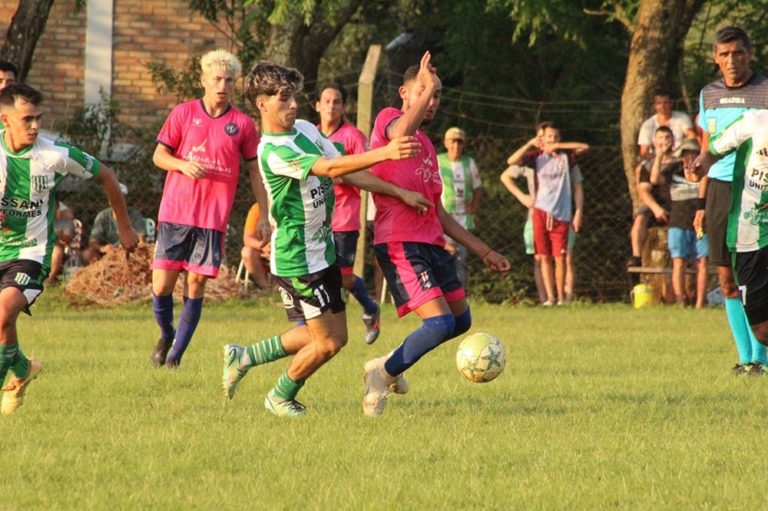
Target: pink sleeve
point(170, 133)
point(383, 120)
point(358, 143)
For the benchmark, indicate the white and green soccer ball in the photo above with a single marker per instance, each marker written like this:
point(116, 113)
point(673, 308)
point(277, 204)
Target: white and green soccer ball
point(480, 358)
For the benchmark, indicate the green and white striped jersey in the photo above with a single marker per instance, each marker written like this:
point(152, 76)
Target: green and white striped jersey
point(28, 180)
point(300, 203)
point(748, 218)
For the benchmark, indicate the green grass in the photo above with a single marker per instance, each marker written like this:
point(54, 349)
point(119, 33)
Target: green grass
point(600, 407)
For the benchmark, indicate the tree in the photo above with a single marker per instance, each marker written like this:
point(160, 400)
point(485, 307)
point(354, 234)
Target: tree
point(23, 33)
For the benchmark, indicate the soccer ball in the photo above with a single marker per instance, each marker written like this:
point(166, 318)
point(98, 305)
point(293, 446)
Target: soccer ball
point(480, 358)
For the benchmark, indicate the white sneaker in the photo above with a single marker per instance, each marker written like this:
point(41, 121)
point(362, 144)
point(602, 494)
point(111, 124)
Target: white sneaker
point(400, 386)
point(377, 386)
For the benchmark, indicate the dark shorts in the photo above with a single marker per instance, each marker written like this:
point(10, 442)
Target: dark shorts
point(309, 296)
point(550, 235)
point(186, 248)
point(718, 206)
point(26, 276)
point(346, 247)
point(417, 273)
point(752, 278)
point(645, 211)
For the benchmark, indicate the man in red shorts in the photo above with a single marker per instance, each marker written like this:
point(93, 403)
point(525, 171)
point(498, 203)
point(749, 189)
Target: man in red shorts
point(410, 246)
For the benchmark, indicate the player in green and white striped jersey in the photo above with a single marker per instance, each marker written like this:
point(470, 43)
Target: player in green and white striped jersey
point(298, 165)
point(747, 235)
point(31, 167)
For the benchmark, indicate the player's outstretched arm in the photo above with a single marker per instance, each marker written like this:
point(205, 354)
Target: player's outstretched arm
point(164, 159)
point(576, 147)
point(129, 238)
point(495, 261)
point(516, 158)
point(409, 122)
point(398, 149)
point(367, 181)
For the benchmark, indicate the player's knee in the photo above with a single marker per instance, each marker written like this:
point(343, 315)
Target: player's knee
point(729, 288)
point(761, 332)
point(462, 322)
point(329, 347)
point(441, 328)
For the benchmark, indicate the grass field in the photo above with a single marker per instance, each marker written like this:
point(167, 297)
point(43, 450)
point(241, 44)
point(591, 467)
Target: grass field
point(600, 407)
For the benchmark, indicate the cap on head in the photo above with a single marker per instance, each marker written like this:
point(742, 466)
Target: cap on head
point(688, 144)
point(455, 133)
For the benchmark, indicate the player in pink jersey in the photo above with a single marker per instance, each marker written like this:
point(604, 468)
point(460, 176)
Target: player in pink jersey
point(200, 145)
point(410, 247)
point(346, 212)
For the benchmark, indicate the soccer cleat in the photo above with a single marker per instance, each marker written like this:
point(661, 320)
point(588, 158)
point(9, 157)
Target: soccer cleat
point(232, 374)
point(400, 386)
point(740, 369)
point(378, 386)
point(757, 369)
point(372, 328)
point(157, 359)
point(13, 393)
point(284, 407)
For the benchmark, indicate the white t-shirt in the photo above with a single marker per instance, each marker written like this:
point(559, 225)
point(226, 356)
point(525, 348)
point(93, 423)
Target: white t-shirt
point(679, 123)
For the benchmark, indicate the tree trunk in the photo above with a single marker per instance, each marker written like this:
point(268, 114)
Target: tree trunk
point(654, 54)
point(23, 33)
point(296, 44)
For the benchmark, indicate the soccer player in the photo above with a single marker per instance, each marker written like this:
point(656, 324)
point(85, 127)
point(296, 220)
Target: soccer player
point(346, 213)
point(720, 103)
point(410, 247)
point(31, 169)
point(200, 146)
point(298, 164)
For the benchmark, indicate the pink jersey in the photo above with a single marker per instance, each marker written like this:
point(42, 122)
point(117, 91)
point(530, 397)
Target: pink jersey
point(346, 212)
point(215, 143)
point(395, 221)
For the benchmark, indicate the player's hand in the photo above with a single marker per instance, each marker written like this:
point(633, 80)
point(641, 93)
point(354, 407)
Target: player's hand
point(427, 75)
point(577, 222)
point(263, 230)
point(698, 223)
point(416, 200)
point(129, 239)
point(450, 248)
point(403, 148)
point(496, 262)
point(661, 215)
point(698, 168)
point(192, 169)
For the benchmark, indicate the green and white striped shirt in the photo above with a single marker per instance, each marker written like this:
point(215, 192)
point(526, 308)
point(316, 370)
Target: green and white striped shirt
point(300, 204)
point(28, 180)
point(748, 218)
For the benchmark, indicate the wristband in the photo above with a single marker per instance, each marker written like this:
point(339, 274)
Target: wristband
point(486, 255)
point(701, 203)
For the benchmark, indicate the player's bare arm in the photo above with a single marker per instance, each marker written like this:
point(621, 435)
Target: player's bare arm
point(164, 159)
point(576, 147)
point(129, 238)
point(509, 183)
point(516, 158)
point(367, 181)
point(495, 261)
point(264, 230)
point(398, 149)
point(428, 87)
point(578, 204)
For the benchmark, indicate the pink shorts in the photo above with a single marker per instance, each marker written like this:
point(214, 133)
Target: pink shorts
point(417, 273)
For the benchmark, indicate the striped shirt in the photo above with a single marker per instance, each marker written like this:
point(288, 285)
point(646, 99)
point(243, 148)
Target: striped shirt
point(28, 181)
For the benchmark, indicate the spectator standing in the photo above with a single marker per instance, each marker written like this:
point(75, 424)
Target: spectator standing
point(679, 122)
point(462, 192)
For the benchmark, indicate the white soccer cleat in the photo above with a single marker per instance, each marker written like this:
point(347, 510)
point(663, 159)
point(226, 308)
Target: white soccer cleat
point(400, 386)
point(13, 392)
point(232, 373)
point(377, 387)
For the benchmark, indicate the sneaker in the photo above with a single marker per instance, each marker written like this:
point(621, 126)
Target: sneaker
point(634, 261)
point(377, 387)
point(740, 369)
point(232, 374)
point(400, 386)
point(548, 303)
point(372, 328)
point(284, 407)
point(757, 369)
point(13, 393)
point(157, 359)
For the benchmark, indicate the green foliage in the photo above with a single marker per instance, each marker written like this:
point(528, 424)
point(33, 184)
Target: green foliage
point(598, 408)
point(184, 83)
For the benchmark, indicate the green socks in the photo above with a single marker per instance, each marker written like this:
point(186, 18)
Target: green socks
point(262, 352)
point(12, 358)
point(286, 388)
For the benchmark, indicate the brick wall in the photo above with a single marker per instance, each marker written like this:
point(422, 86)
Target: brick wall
point(143, 31)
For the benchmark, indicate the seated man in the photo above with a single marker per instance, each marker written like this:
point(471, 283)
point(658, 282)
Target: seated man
point(255, 250)
point(65, 232)
point(104, 234)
